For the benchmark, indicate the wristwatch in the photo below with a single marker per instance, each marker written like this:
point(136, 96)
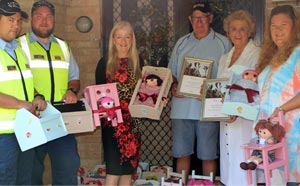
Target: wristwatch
point(74, 90)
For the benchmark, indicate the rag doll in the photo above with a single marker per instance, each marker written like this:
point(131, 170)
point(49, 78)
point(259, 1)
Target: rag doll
point(149, 90)
point(267, 133)
point(245, 88)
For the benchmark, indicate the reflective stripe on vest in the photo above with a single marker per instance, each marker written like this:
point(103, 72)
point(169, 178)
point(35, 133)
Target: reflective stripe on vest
point(55, 64)
point(7, 76)
point(6, 127)
point(43, 63)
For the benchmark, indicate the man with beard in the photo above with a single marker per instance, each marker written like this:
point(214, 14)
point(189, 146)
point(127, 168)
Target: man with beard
point(56, 76)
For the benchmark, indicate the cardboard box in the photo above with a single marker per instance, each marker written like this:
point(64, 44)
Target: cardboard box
point(32, 131)
point(144, 111)
point(95, 93)
point(143, 166)
point(77, 117)
point(238, 108)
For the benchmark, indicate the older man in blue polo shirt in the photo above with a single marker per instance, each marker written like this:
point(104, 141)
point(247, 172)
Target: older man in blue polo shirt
point(202, 43)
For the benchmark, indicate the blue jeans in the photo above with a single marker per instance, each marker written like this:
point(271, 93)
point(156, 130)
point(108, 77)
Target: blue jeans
point(64, 159)
point(9, 152)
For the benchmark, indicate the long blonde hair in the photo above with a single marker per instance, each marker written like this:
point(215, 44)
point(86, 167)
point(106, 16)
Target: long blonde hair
point(133, 57)
point(270, 53)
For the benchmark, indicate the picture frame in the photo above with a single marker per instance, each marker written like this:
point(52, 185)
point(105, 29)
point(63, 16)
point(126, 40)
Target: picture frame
point(213, 94)
point(193, 72)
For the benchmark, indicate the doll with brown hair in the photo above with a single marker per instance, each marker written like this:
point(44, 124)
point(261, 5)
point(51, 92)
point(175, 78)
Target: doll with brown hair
point(267, 133)
point(149, 90)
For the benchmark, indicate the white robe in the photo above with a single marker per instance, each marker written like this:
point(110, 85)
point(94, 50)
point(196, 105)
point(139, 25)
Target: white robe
point(233, 135)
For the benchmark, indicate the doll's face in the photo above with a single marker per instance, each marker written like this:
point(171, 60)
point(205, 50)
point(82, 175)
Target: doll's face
point(264, 133)
point(151, 82)
point(250, 75)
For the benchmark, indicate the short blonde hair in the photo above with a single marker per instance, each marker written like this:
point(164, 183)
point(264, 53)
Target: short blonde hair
point(242, 15)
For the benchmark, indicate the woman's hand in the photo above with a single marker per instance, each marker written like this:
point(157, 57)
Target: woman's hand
point(275, 112)
point(232, 119)
point(165, 101)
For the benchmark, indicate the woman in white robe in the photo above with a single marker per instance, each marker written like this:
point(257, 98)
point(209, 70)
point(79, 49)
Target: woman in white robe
point(240, 28)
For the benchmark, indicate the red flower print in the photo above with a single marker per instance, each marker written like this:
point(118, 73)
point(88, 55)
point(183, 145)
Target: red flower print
point(124, 105)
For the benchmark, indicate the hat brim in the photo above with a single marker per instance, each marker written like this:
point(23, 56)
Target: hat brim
point(23, 14)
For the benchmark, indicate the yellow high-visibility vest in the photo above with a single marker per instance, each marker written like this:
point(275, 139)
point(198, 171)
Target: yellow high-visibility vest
point(49, 68)
point(11, 84)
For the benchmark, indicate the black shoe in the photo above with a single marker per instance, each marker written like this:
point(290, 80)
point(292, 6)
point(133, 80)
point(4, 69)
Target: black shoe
point(244, 165)
point(252, 166)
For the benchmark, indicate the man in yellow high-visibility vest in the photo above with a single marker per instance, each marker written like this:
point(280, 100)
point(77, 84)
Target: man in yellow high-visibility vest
point(16, 91)
point(56, 76)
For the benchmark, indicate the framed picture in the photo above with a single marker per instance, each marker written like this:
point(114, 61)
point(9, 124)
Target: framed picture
point(214, 91)
point(193, 72)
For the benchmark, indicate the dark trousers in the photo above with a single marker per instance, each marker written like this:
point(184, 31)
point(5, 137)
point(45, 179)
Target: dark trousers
point(14, 170)
point(64, 159)
point(9, 153)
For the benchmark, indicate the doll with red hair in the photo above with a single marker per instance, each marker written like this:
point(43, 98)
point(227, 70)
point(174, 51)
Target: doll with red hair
point(267, 133)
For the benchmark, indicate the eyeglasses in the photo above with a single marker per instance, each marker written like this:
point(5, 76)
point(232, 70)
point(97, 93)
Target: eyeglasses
point(200, 18)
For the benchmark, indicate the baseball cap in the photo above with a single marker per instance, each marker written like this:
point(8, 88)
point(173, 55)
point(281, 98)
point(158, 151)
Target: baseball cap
point(11, 7)
point(202, 6)
point(42, 3)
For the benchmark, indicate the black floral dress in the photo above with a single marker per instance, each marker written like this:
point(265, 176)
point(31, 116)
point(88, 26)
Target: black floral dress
point(121, 143)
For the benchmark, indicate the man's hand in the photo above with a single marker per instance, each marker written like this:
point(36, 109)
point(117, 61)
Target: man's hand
point(70, 97)
point(174, 91)
point(39, 103)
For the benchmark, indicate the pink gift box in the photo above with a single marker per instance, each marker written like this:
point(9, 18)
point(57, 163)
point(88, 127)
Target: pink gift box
point(95, 94)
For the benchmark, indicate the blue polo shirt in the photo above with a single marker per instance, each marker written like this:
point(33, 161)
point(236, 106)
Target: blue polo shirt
point(211, 47)
point(9, 47)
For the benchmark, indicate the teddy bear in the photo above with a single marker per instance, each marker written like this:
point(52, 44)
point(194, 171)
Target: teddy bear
point(107, 106)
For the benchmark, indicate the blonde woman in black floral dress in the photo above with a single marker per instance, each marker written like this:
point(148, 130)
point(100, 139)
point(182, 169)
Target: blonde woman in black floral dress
point(121, 143)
